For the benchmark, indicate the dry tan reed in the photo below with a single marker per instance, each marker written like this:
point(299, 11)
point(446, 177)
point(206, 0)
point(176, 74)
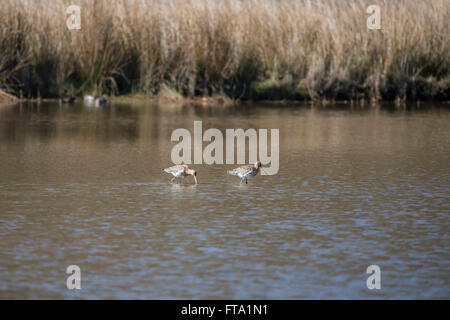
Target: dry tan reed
point(244, 48)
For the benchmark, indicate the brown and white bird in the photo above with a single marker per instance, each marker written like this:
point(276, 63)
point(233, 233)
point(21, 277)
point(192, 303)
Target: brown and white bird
point(246, 172)
point(181, 171)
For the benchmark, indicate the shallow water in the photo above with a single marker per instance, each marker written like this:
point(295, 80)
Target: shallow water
point(84, 186)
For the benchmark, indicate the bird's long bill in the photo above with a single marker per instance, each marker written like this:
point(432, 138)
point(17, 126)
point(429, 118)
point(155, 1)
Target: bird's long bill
point(195, 178)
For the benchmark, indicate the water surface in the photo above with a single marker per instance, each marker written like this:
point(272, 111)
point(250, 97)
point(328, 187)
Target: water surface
point(356, 187)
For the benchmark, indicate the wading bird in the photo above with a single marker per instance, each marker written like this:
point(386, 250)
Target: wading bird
point(89, 98)
point(246, 172)
point(180, 171)
point(100, 101)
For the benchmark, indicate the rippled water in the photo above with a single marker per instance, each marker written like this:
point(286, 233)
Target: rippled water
point(84, 186)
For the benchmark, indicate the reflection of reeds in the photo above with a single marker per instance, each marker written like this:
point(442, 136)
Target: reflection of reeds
point(249, 48)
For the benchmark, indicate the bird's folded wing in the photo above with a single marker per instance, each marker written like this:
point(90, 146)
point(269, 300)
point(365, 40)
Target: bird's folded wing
point(241, 170)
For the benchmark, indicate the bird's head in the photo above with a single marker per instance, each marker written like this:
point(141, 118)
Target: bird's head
point(193, 173)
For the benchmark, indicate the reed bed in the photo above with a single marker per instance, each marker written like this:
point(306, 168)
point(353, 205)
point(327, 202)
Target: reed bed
point(255, 49)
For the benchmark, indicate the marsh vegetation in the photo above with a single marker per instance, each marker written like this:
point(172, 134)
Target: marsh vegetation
point(250, 49)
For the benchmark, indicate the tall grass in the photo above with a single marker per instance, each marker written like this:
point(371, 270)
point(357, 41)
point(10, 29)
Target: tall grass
point(244, 48)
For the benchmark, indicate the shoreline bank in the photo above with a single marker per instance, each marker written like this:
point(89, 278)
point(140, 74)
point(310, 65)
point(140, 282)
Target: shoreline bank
point(221, 101)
